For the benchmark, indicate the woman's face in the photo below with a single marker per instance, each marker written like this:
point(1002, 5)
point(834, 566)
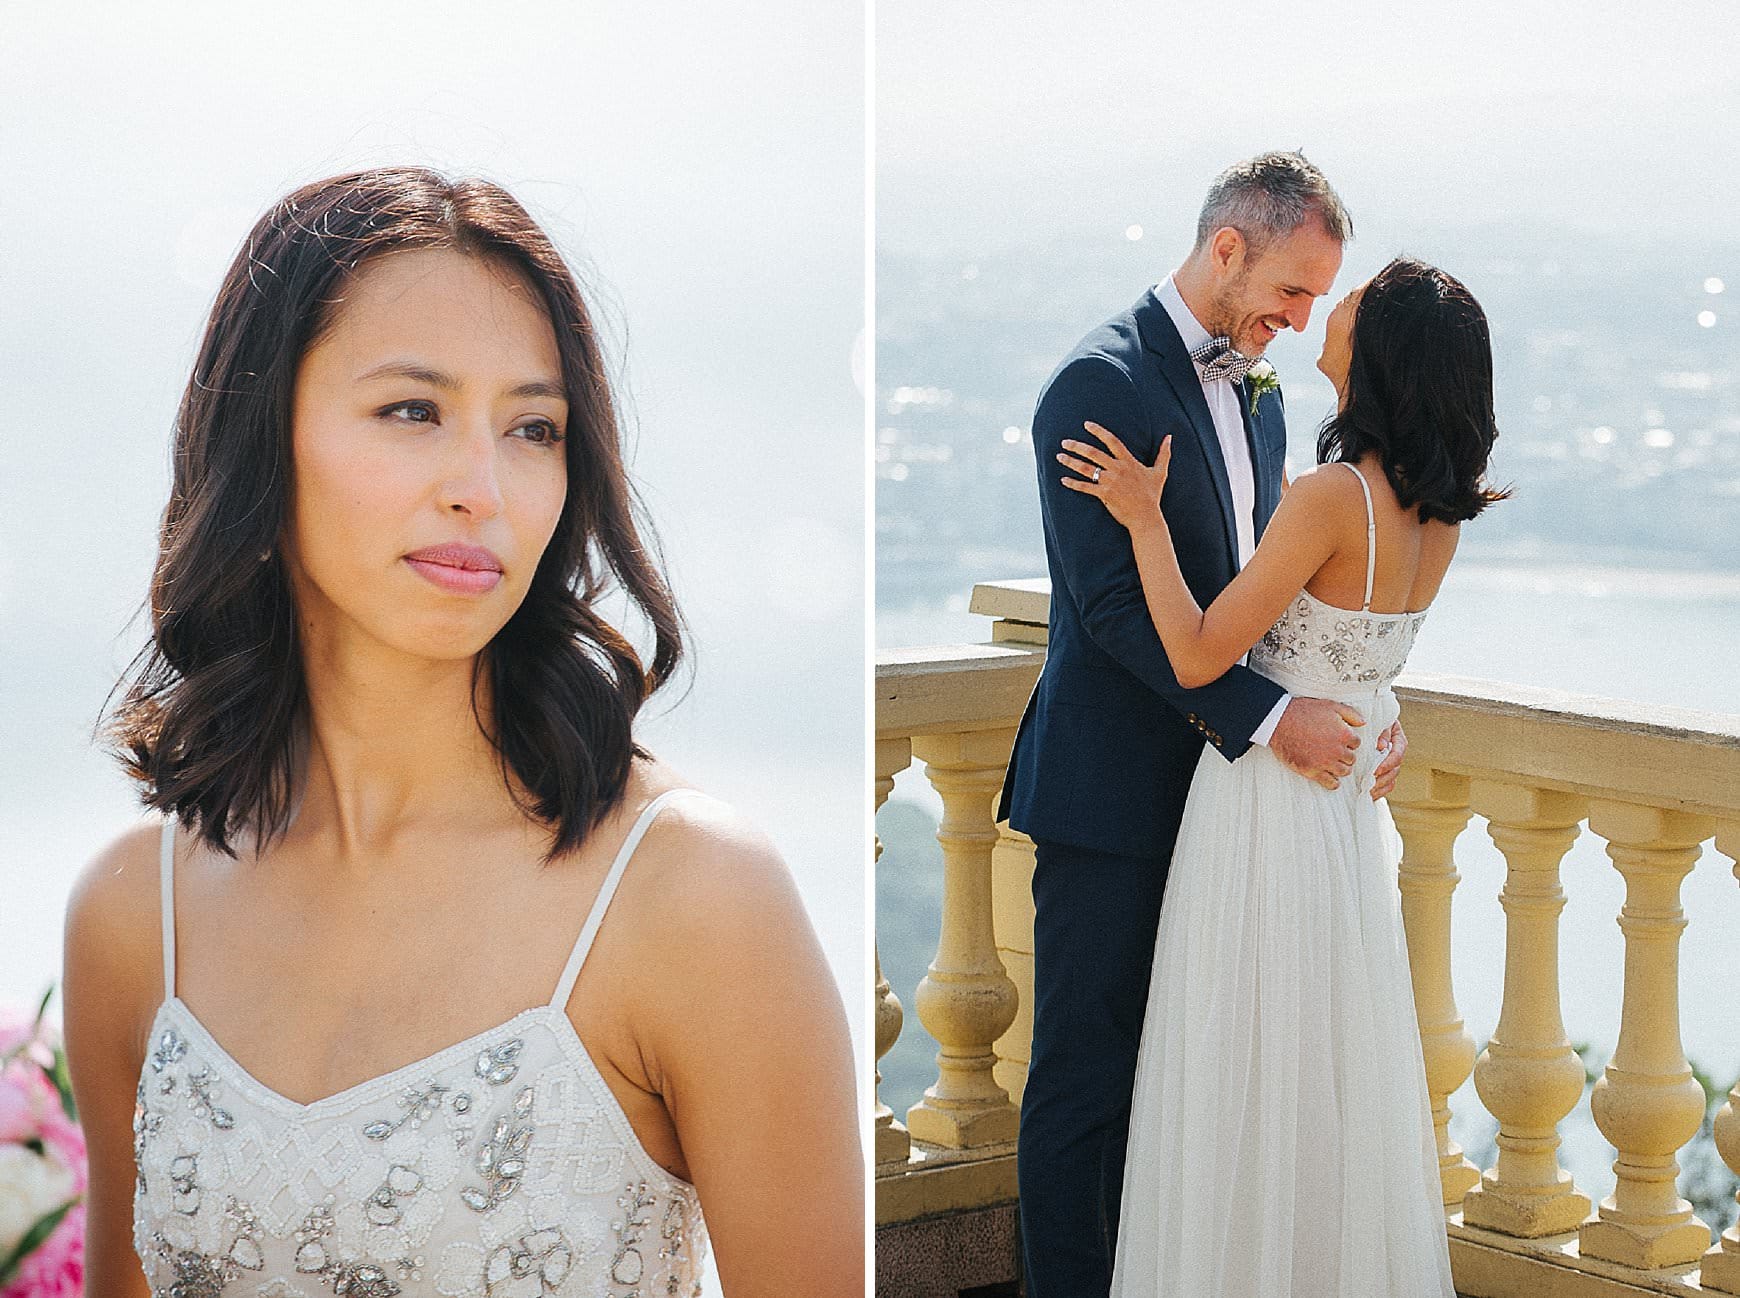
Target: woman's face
point(428, 470)
point(1338, 339)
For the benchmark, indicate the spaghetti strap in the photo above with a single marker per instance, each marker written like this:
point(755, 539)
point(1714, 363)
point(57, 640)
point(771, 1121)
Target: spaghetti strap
point(166, 894)
point(588, 931)
point(1370, 537)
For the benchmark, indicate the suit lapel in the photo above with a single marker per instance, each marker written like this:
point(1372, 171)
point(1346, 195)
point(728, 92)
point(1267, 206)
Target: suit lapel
point(1262, 471)
point(1160, 336)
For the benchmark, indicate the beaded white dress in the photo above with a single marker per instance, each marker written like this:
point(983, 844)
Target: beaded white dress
point(500, 1165)
point(1281, 1140)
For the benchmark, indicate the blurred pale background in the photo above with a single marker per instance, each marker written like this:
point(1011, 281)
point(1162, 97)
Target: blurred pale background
point(719, 230)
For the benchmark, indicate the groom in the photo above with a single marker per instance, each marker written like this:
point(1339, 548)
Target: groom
point(1109, 739)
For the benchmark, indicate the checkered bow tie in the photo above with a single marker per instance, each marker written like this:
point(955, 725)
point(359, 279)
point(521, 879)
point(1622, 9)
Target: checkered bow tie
point(1216, 359)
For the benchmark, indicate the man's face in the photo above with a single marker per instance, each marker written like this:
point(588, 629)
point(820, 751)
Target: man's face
point(1259, 296)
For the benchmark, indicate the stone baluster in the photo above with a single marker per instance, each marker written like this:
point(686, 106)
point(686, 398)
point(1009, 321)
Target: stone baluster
point(1528, 1076)
point(967, 1000)
point(892, 1141)
point(1647, 1103)
point(1721, 1267)
point(1431, 809)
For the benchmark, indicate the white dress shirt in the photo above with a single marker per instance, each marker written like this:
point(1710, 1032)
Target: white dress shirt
point(1229, 431)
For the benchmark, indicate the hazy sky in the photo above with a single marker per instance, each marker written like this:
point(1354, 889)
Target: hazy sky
point(999, 122)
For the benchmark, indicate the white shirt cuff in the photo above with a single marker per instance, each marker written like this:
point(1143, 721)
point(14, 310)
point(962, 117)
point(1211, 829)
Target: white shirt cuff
point(1262, 733)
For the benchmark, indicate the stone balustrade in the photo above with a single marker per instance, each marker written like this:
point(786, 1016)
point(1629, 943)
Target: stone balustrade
point(1541, 768)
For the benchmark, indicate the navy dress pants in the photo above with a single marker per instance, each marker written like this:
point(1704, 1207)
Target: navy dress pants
point(1095, 919)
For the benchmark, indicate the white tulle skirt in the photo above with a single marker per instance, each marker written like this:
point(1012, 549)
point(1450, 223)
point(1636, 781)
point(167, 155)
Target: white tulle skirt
point(1280, 1137)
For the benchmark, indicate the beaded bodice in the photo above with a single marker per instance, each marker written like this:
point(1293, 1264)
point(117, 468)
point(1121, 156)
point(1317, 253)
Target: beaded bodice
point(1316, 644)
point(1321, 649)
point(498, 1166)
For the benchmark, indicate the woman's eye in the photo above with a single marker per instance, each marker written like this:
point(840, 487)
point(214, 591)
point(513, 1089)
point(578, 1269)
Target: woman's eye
point(542, 432)
point(421, 407)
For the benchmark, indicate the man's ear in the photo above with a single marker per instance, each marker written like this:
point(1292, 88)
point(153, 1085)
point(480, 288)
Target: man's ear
point(1226, 250)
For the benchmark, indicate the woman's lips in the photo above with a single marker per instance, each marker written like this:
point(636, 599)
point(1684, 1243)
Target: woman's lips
point(464, 581)
point(464, 570)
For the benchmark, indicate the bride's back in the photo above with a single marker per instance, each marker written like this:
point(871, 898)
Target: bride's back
point(1412, 557)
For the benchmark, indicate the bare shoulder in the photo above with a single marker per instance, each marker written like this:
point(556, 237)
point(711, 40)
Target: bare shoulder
point(112, 981)
point(1328, 482)
point(1324, 493)
point(704, 868)
point(112, 966)
point(718, 913)
point(703, 849)
point(113, 912)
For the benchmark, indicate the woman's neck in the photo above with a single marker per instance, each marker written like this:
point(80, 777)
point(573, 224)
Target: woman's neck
point(395, 747)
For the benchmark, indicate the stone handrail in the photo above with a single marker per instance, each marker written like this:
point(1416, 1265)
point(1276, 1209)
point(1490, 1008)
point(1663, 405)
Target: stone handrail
point(1538, 765)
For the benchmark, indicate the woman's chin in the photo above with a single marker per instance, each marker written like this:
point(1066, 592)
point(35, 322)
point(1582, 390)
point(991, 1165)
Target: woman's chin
point(437, 638)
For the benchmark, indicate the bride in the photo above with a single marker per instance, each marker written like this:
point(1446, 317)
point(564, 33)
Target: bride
point(391, 720)
point(1280, 1137)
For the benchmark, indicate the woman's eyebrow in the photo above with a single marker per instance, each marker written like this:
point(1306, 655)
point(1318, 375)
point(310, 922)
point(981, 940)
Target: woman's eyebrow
point(445, 381)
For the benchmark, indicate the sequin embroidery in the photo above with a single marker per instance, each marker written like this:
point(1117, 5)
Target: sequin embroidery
point(502, 1159)
point(1335, 646)
point(545, 1252)
point(490, 1169)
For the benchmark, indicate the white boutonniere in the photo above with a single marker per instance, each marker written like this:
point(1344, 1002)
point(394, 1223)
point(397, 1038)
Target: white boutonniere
point(1260, 380)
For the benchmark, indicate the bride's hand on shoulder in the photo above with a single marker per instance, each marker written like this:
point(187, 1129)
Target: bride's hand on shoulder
point(1125, 486)
point(755, 1064)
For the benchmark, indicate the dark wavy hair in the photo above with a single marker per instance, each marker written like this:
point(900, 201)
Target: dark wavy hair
point(1419, 392)
point(209, 722)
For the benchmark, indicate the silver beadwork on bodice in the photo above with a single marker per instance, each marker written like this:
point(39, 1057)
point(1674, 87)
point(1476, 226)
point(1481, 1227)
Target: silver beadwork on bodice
point(1321, 649)
point(499, 1167)
point(1318, 644)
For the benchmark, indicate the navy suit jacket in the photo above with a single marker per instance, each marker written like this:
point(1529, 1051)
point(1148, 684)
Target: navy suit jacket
point(1109, 740)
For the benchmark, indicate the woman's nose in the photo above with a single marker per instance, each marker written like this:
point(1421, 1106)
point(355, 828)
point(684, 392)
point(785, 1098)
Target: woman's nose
point(470, 483)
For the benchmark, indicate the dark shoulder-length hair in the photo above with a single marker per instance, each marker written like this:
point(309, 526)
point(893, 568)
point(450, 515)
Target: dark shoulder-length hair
point(209, 724)
point(1419, 392)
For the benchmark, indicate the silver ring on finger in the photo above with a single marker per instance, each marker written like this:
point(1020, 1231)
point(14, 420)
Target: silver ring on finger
point(1096, 473)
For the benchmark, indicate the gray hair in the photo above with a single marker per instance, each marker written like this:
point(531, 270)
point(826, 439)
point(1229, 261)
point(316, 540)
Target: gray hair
point(1269, 196)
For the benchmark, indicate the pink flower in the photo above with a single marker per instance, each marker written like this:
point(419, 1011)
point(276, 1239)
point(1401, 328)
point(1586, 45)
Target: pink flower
point(28, 1100)
point(57, 1268)
point(17, 1114)
point(31, 1108)
point(66, 1141)
point(16, 1028)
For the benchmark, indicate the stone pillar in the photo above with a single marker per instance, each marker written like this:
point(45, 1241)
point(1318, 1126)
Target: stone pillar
point(966, 1001)
point(1431, 809)
point(1721, 1267)
point(1528, 1076)
point(1648, 1104)
point(892, 1142)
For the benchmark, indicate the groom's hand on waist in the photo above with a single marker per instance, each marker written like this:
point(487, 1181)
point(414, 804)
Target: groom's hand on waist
point(1316, 738)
